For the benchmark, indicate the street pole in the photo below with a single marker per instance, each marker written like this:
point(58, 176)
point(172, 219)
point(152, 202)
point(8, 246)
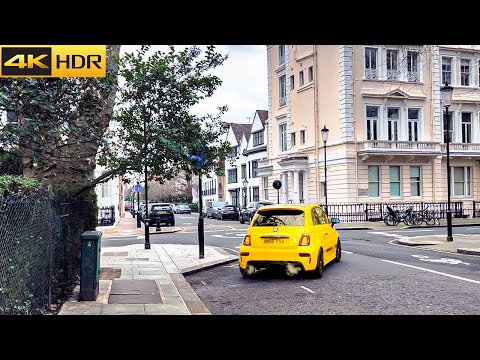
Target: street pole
point(325, 167)
point(139, 220)
point(147, 220)
point(449, 210)
point(201, 237)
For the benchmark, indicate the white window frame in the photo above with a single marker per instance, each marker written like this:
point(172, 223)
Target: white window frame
point(415, 182)
point(467, 127)
point(467, 181)
point(451, 128)
point(399, 181)
point(301, 78)
point(265, 187)
point(293, 140)
point(302, 137)
point(469, 72)
point(369, 73)
point(452, 72)
point(310, 73)
point(282, 101)
point(393, 125)
point(282, 55)
point(367, 119)
point(292, 82)
point(392, 74)
point(411, 76)
point(378, 181)
point(412, 122)
point(282, 137)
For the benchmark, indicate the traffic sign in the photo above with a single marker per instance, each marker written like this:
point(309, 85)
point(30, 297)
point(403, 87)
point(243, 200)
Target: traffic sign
point(137, 188)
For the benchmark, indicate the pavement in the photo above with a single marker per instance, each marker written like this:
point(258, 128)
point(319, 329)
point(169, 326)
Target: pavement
point(135, 281)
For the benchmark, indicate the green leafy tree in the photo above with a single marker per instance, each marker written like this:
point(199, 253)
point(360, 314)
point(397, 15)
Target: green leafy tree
point(155, 125)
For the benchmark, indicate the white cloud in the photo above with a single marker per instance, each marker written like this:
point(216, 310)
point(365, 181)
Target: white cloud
point(244, 81)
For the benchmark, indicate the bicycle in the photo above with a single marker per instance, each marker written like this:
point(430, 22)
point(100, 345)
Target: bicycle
point(429, 217)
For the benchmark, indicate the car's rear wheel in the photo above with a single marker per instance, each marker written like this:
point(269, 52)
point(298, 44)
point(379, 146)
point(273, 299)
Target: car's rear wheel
point(242, 220)
point(338, 253)
point(248, 272)
point(318, 272)
point(172, 223)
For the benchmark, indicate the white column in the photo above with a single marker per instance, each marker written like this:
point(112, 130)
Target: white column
point(295, 187)
point(305, 187)
point(284, 188)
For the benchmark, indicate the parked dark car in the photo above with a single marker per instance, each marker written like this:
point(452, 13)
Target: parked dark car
point(247, 213)
point(162, 213)
point(183, 209)
point(228, 212)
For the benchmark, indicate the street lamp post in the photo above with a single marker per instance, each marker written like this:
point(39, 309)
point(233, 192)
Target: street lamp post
point(147, 220)
point(245, 184)
point(201, 232)
point(325, 138)
point(446, 93)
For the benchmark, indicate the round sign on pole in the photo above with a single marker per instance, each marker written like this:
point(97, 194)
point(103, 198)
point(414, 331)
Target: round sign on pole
point(277, 184)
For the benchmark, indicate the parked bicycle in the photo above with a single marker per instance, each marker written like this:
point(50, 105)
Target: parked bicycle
point(394, 217)
point(429, 217)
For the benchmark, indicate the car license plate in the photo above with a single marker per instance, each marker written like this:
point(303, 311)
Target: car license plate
point(273, 241)
point(163, 212)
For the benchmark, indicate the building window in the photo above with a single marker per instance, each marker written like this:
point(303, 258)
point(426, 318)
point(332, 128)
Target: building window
point(282, 130)
point(302, 136)
point(322, 188)
point(373, 181)
point(106, 189)
point(256, 193)
point(265, 188)
point(450, 127)
point(281, 55)
point(466, 127)
point(244, 171)
point(292, 139)
point(413, 124)
point(232, 176)
point(372, 122)
point(446, 70)
point(310, 74)
point(282, 90)
point(392, 65)
point(413, 73)
point(371, 63)
point(258, 138)
point(394, 181)
point(233, 152)
point(462, 181)
point(302, 80)
point(254, 169)
point(292, 82)
point(465, 72)
point(415, 181)
point(392, 124)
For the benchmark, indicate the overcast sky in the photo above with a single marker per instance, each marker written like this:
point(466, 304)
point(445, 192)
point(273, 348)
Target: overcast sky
point(244, 75)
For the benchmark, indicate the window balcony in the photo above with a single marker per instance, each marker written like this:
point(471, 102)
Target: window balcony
point(282, 101)
point(371, 74)
point(461, 148)
point(413, 76)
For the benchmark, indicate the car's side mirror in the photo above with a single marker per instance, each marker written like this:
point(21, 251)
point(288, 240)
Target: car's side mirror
point(334, 221)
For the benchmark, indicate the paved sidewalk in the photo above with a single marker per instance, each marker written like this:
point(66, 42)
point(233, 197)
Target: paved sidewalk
point(147, 282)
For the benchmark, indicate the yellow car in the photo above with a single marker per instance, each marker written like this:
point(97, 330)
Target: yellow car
point(300, 237)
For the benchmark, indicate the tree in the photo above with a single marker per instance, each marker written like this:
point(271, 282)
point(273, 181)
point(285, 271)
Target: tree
point(55, 126)
point(156, 127)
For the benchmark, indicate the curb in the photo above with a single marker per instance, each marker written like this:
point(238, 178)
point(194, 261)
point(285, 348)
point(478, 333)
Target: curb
point(468, 251)
point(195, 269)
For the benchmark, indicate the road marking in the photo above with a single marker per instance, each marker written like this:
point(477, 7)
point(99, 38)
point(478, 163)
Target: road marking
point(433, 271)
point(203, 282)
point(441, 260)
point(230, 266)
point(347, 252)
point(237, 247)
point(187, 223)
point(305, 288)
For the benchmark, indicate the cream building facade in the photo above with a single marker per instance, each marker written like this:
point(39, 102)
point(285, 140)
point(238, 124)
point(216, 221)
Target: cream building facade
point(382, 106)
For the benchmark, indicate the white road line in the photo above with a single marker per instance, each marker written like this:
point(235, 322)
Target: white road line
point(433, 271)
point(347, 252)
point(203, 282)
point(305, 288)
point(417, 230)
point(237, 247)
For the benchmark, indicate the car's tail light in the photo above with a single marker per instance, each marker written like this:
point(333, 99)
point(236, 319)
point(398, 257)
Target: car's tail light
point(246, 240)
point(304, 240)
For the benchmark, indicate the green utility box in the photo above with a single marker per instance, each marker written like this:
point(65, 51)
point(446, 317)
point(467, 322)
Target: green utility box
point(90, 269)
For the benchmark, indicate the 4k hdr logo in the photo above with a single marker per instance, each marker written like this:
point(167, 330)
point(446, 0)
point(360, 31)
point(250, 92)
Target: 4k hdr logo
point(53, 61)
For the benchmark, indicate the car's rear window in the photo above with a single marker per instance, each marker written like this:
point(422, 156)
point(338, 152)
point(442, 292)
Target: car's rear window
point(161, 207)
point(230, 207)
point(280, 217)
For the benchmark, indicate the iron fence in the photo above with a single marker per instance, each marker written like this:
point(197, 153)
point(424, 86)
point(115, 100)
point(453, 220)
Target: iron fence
point(360, 212)
point(40, 251)
point(106, 215)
